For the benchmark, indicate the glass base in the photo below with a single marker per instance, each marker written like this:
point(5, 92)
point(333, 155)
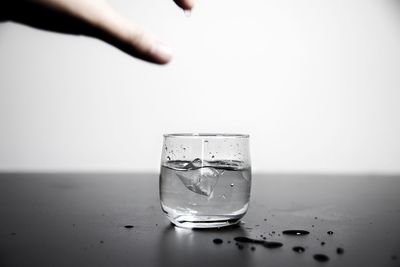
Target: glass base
point(204, 221)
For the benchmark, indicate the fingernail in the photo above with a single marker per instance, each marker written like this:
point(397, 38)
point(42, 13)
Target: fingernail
point(162, 52)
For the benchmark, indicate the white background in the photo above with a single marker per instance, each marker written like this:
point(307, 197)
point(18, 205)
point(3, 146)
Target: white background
point(315, 83)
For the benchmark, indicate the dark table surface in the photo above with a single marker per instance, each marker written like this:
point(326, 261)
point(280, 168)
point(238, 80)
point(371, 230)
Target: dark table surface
point(79, 219)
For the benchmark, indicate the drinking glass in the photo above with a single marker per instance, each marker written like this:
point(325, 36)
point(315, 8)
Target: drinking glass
point(205, 179)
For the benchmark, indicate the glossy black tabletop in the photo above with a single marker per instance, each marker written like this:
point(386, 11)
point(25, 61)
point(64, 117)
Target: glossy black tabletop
point(78, 220)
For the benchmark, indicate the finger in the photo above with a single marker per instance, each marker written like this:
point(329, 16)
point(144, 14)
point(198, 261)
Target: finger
point(134, 40)
point(131, 38)
point(185, 4)
point(111, 27)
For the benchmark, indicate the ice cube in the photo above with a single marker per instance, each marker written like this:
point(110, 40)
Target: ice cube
point(195, 164)
point(201, 181)
point(246, 175)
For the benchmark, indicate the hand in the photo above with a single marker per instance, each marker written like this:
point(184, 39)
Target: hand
point(94, 18)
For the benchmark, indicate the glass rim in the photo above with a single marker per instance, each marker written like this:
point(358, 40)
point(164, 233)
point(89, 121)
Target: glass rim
point(206, 135)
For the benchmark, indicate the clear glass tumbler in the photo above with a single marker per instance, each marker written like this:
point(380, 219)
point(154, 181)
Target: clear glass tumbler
point(205, 179)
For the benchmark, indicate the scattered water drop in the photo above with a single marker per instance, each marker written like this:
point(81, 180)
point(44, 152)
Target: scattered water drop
point(272, 244)
point(339, 251)
point(128, 226)
point(330, 233)
point(223, 196)
point(245, 239)
point(321, 257)
point(240, 246)
point(218, 241)
point(232, 185)
point(299, 249)
point(253, 248)
point(295, 232)
point(13, 233)
point(168, 157)
point(322, 243)
point(101, 241)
